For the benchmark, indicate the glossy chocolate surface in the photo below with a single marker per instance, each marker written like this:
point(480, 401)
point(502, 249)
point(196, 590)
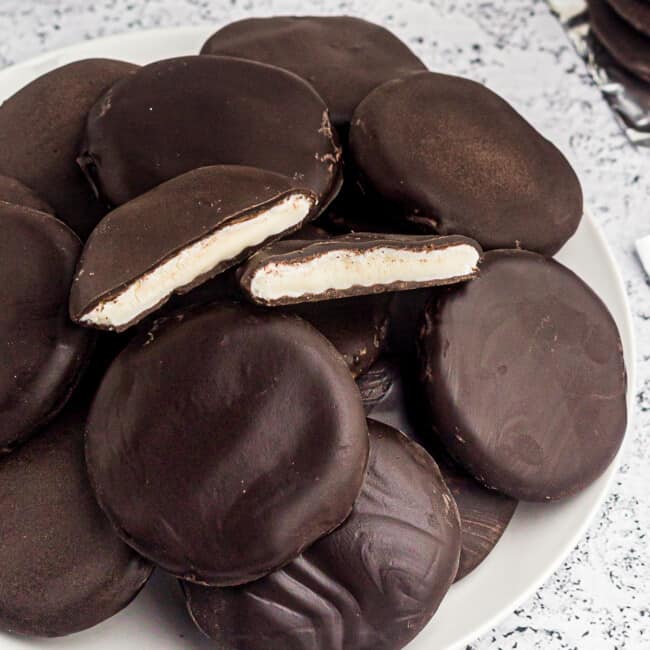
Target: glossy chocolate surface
point(343, 57)
point(42, 351)
point(176, 115)
point(41, 130)
point(372, 584)
point(450, 155)
point(525, 378)
point(223, 442)
point(13, 191)
point(635, 12)
point(357, 327)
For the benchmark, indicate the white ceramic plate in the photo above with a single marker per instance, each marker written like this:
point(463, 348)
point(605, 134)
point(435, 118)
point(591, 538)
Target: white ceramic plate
point(539, 536)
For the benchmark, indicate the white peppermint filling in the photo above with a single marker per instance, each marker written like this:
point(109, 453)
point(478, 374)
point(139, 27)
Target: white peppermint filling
point(342, 269)
point(197, 259)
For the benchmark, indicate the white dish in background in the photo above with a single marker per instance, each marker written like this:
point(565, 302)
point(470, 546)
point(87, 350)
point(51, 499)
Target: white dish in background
point(539, 537)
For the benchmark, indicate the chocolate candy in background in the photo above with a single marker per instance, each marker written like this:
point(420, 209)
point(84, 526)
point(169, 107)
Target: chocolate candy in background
point(635, 12)
point(372, 584)
point(179, 235)
point(342, 57)
point(225, 441)
point(62, 567)
point(625, 90)
point(524, 374)
point(179, 114)
point(43, 353)
point(293, 271)
point(13, 191)
point(628, 46)
point(357, 327)
point(391, 394)
point(354, 211)
point(453, 157)
point(41, 130)
point(484, 515)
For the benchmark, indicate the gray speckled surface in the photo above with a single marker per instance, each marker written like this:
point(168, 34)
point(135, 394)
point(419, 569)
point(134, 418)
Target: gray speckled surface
point(600, 598)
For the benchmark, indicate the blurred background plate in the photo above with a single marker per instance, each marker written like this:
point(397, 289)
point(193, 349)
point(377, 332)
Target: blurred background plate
point(539, 537)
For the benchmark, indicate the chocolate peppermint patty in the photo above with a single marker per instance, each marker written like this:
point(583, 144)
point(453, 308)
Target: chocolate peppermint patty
point(452, 157)
point(630, 47)
point(62, 567)
point(525, 379)
point(176, 115)
point(342, 57)
point(294, 271)
point(43, 353)
point(41, 130)
point(383, 572)
point(224, 442)
point(179, 235)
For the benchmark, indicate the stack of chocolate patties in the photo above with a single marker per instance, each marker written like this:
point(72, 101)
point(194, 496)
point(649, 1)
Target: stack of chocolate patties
point(622, 29)
point(264, 223)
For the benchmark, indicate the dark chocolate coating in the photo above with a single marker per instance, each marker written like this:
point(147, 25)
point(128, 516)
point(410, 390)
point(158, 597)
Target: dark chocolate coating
point(372, 584)
point(628, 46)
point(484, 515)
point(353, 210)
point(344, 58)
point(635, 12)
point(62, 567)
point(625, 89)
point(357, 327)
point(42, 352)
point(224, 442)
point(390, 395)
point(41, 130)
point(289, 251)
point(524, 373)
point(135, 238)
point(13, 191)
point(451, 155)
point(176, 115)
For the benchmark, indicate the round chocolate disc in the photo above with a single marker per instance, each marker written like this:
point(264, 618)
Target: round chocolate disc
point(180, 114)
point(41, 130)
point(62, 567)
point(42, 351)
point(13, 191)
point(524, 373)
point(627, 45)
point(449, 153)
point(372, 584)
point(635, 12)
point(225, 441)
point(343, 57)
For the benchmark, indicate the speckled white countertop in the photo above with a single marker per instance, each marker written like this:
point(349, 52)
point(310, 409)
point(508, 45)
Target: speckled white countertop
point(600, 598)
